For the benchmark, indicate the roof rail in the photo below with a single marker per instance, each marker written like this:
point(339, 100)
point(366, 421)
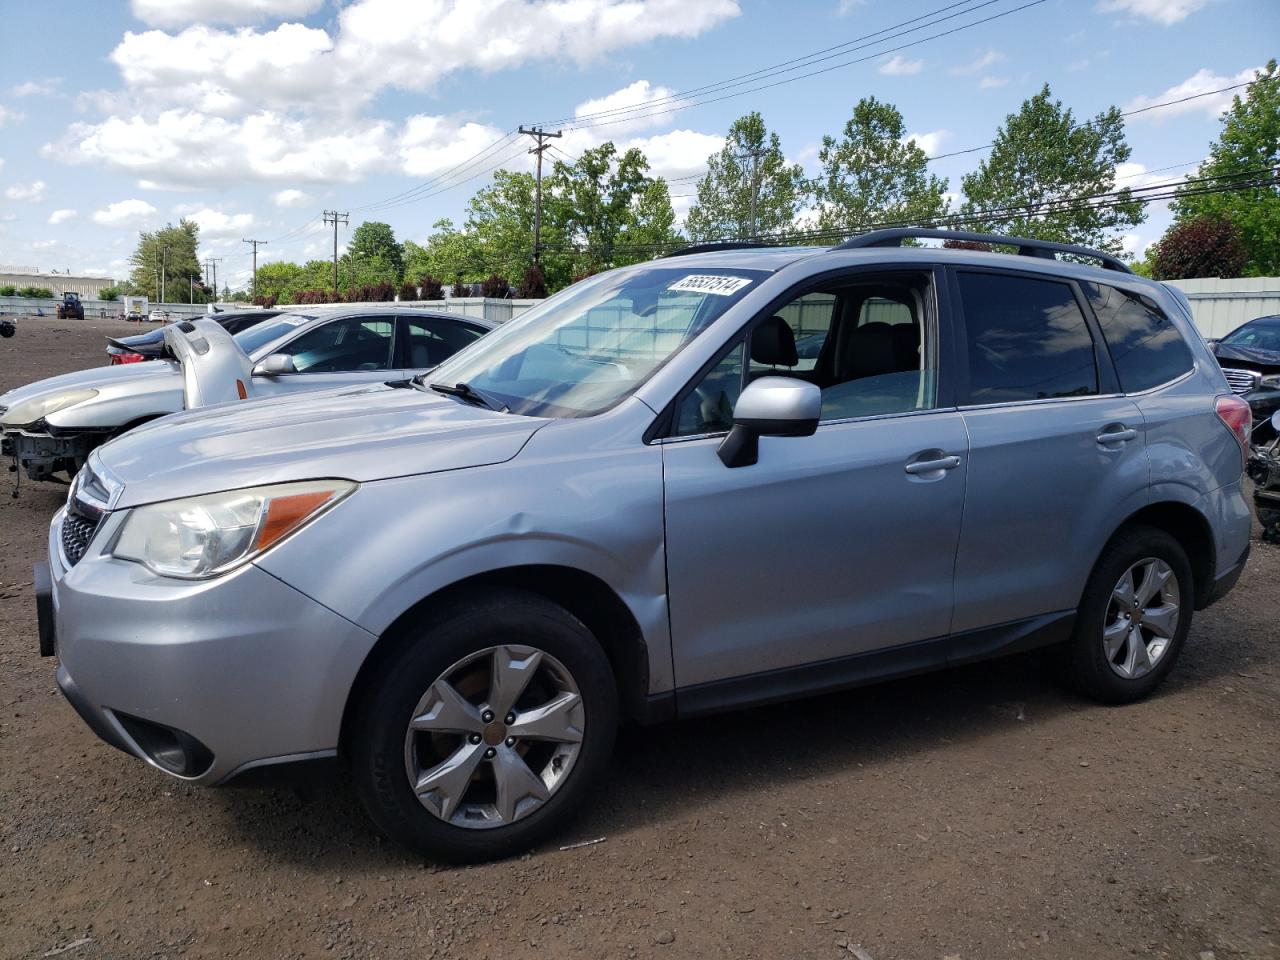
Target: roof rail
point(1026, 248)
point(719, 245)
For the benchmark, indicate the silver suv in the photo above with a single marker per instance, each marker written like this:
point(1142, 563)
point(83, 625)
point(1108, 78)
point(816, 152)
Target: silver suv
point(716, 479)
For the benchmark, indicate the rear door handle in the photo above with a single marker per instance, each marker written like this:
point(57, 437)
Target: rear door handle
point(1122, 435)
point(917, 467)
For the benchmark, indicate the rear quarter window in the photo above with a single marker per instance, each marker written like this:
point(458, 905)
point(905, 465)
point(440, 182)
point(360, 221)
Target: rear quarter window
point(1145, 346)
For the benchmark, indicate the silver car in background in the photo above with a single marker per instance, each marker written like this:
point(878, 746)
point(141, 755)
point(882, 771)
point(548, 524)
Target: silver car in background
point(52, 425)
point(640, 500)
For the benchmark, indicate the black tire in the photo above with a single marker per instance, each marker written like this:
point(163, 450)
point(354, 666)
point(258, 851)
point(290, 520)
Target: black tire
point(375, 746)
point(1086, 664)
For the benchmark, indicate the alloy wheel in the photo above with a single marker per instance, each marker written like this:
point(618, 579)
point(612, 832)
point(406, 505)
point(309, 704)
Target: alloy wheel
point(494, 737)
point(1141, 619)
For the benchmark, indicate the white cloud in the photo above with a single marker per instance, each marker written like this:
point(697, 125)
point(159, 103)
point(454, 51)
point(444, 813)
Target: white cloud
point(1164, 12)
point(47, 87)
point(677, 153)
point(172, 13)
point(1202, 81)
point(62, 216)
point(430, 145)
point(846, 7)
point(215, 223)
point(43, 244)
point(618, 119)
point(991, 83)
point(978, 65)
point(187, 147)
point(929, 142)
point(6, 115)
point(899, 66)
point(291, 198)
point(32, 192)
point(124, 213)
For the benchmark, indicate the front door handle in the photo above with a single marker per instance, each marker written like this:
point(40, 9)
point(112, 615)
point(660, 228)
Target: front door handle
point(918, 467)
point(1118, 433)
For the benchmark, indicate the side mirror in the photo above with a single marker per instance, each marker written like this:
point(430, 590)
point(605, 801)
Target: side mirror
point(770, 407)
point(275, 365)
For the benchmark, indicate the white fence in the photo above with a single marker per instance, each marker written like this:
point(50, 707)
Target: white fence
point(498, 311)
point(1219, 306)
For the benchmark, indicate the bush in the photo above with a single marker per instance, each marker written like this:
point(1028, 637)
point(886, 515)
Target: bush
point(36, 293)
point(109, 293)
point(408, 292)
point(314, 296)
point(8, 290)
point(459, 288)
point(534, 284)
point(495, 288)
point(1205, 247)
point(432, 289)
point(968, 245)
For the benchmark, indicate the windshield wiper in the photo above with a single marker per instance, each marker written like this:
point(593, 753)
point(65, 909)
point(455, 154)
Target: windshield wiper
point(464, 391)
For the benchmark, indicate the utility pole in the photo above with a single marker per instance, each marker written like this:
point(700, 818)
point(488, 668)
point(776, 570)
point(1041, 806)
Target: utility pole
point(256, 244)
point(754, 156)
point(335, 218)
point(213, 262)
point(540, 138)
point(164, 273)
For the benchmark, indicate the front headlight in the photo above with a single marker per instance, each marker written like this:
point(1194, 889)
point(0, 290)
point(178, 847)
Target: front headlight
point(29, 411)
point(201, 537)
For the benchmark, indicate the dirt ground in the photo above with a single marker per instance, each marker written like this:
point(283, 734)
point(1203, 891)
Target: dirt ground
point(976, 814)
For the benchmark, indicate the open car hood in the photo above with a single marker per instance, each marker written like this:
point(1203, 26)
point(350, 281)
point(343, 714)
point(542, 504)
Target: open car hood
point(214, 368)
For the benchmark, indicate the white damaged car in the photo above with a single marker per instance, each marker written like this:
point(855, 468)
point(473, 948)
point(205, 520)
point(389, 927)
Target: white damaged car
point(52, 425)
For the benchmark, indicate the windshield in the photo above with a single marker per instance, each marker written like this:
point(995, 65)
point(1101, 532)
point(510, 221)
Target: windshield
point(263, 333)
point(589, 346)
point(1259, 335)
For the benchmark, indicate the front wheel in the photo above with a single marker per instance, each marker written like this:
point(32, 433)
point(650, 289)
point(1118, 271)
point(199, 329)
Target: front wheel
point(484, 731)
point(1133, 618)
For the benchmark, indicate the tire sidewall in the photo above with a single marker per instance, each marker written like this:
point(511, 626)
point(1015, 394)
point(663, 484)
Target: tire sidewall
point(1094, 672)
point(378, 736)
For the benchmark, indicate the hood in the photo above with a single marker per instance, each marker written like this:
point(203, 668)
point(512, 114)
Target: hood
point(160, 380)
point(358, 433)
point(1254, 356)
point(214, 368)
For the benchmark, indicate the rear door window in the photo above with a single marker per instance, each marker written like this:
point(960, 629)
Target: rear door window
point(1145, 346)
point(1027, 339)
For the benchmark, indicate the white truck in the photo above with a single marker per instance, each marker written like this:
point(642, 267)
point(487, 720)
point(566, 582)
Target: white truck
point(135, 308)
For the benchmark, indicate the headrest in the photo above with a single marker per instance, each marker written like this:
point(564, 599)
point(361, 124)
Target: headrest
point(773, 344)
point(871, 350)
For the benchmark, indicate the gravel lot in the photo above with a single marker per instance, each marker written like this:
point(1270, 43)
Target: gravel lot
point(976, 814)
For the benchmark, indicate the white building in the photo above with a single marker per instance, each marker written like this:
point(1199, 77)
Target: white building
point(59, 283)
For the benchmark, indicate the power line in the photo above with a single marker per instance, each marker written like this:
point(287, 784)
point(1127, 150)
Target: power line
point(786, 66)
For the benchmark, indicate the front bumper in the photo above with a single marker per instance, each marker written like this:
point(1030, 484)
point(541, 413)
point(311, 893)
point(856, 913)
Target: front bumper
point(42, 454)
point(233, 673)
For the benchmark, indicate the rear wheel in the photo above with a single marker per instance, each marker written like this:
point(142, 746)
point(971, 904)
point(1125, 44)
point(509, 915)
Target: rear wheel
point(1133, 619)
point(485, 731)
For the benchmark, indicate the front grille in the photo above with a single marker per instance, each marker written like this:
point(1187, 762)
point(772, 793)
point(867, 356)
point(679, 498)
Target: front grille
point(1241, 381)
point(77, 531)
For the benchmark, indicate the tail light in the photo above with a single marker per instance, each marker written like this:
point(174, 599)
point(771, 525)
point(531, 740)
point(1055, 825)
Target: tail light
point(1235, 413)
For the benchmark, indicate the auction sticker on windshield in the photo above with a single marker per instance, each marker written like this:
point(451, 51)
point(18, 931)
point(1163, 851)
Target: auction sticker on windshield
point(707, 283)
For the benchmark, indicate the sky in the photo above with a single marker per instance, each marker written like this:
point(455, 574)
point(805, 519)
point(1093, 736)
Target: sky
point(253, 116)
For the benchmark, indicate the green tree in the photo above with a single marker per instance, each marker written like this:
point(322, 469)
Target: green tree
point(500, 218)
point(374, 241)
point(106, 293)
point(590, 203)
point(1208, 246)
point(279, 279)
point(170, 251)
point(449, 253)
point(1247, 147)
point(1041, 166)
point(651, 227)
point(749, 189)
point(871, 175)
